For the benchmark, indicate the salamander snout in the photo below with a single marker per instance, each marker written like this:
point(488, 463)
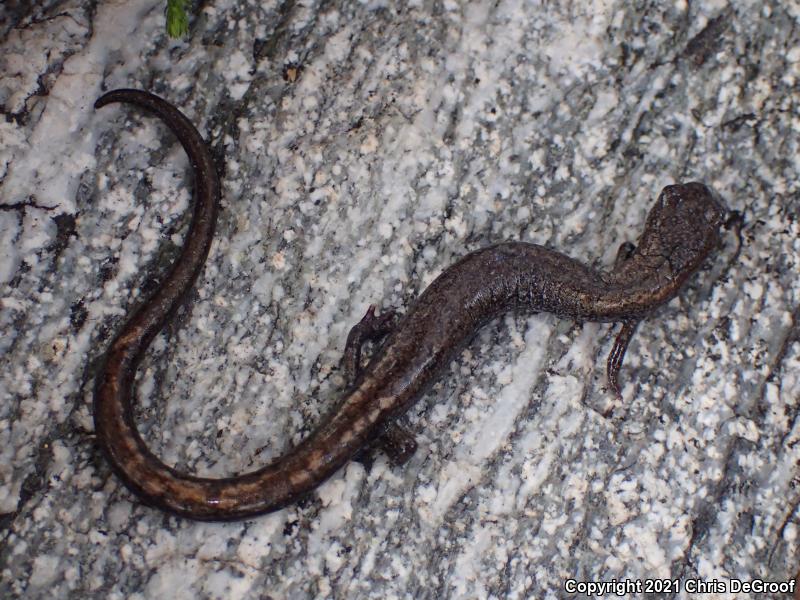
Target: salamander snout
point(694, 204)
point(684, 226)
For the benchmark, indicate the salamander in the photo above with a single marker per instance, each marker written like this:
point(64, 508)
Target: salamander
point(682, 229)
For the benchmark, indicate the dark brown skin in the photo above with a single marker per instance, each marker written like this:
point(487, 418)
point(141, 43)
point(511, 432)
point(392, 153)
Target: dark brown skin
point(682, 230)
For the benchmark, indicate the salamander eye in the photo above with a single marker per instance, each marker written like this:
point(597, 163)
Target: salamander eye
point(670, 198)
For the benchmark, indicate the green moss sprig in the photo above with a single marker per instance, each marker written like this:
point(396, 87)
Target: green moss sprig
point(177, 19)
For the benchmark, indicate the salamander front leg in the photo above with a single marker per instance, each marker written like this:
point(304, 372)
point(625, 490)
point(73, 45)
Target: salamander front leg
point(617, 355)
point(396, 441)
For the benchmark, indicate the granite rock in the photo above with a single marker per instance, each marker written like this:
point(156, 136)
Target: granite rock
point(364, 147)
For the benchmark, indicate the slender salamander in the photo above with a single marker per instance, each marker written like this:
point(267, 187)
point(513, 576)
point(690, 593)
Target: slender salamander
point(681, 231)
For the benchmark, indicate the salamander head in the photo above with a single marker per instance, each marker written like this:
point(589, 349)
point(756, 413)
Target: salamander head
point(683, 228)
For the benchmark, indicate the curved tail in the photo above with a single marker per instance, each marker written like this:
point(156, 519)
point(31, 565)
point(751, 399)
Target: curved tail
point(264, 490)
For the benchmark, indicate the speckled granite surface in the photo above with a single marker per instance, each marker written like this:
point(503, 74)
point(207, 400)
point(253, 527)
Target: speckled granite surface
point(364, 148)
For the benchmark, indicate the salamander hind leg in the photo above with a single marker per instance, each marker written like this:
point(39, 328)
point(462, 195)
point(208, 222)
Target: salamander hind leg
point(396, 441)
point(624, 252)
point(369, 329)
point(617, 355)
